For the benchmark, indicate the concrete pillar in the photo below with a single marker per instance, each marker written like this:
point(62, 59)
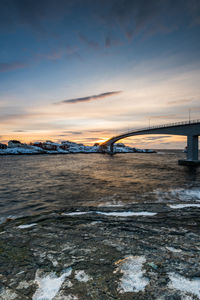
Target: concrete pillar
point(192, 147)
point(111, 148)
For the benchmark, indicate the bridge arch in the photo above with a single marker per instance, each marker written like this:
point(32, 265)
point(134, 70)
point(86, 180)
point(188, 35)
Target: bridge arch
point(190, 129)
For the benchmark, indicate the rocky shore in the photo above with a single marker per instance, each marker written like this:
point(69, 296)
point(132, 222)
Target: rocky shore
point(148, 251)
point(65, 147)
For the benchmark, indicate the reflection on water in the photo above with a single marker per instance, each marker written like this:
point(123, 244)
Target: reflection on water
point(37, 184)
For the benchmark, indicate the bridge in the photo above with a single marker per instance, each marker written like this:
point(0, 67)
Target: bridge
point(191, 129)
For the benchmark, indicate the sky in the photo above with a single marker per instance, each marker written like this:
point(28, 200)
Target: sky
point(85, 70)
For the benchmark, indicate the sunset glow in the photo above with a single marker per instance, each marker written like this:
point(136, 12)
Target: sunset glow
point(85, 71)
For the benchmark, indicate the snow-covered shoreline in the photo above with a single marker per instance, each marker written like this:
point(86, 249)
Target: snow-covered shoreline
point(66, 147)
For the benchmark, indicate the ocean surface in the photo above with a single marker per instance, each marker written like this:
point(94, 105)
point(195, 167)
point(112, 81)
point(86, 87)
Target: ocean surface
point(94, 226)
point(32, 185)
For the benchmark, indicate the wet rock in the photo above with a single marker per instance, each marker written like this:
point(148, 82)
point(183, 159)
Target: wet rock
point(91, 244)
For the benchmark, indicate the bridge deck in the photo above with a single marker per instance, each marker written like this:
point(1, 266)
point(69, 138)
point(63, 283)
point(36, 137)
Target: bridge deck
point(178, 128)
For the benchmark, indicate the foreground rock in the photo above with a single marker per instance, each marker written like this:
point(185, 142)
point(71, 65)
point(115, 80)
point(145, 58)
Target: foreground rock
point(137, 252)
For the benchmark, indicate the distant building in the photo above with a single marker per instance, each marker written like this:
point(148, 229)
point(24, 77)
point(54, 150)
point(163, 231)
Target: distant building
point(64, 147)
point(120, 145)
point(3, 146)
point(48, 145)
point(14, 144)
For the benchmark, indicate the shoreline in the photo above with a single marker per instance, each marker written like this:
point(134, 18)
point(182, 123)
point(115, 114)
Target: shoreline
point(8, 154)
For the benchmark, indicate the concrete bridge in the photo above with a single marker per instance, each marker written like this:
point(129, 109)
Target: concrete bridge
point(191, 129)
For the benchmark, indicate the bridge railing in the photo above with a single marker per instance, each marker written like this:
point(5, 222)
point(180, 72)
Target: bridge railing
point(159, 126)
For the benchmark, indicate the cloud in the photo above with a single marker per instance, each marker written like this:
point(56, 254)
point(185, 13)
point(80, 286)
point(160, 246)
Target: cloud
point(90, 98)
point(90, 43)
point(146, 17)
point(177, 102)
point(150, 17)
point(109, 42)
point(20, 130)
point(159, 137)
point(5, 67)
point(91, 139)
point(32, 13)
point(164, 117)
point(72, 132)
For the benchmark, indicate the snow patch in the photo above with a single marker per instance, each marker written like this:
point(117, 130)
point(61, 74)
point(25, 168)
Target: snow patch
point(127, 213)
point(70, 297)
point(23, 285)
point(184, 205)
point(173, 249)
point(111, 204)
point(49, 285)
point(114, 213)
point(183, 284)
point(26, 225)
point(7, 294)
point(77, 213)
point(82, 276)
point(65, 147)
point(132, 279)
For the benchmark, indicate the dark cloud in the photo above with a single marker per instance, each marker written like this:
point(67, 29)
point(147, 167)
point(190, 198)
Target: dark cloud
point(91, 139)
point(128, 13)
point(20, 130)
point(164, 117)
point(177, 102)
point(90, 98)
point(133, 16)
point(5, 67)
point(150, 17)
point(110, 42)
point(32, 12)
point(96, 131)
point(159, 137)
point(88, 42)
point(72, 132)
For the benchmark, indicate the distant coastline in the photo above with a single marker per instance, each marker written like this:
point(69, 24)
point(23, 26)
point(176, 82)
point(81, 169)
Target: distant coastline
point(15, 147)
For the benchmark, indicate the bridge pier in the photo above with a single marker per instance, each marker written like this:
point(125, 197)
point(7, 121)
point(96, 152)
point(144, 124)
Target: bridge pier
point(192, 147)
point(111, 148)
point(192, 151)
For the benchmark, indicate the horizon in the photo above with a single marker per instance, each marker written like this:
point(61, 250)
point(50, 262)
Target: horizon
point(85, 71)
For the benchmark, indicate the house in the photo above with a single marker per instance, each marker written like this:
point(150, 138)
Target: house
point(64, 146)
point(48, 145)
point(3, 146)
point(14, 144)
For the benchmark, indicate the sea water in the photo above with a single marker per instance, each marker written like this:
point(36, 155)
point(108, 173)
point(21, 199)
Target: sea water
point(32, 185)
point(94, 226)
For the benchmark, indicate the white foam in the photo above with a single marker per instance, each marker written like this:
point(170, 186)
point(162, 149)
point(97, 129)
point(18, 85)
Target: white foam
point(26, 225)
point(132, 279)
point(11, 217)
point(82, 276)
point(127, 213)
point(185, 194)
point(173, 249)
point(183, 284)
point(183, 205)
point(49, 285)
point(179, 194)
